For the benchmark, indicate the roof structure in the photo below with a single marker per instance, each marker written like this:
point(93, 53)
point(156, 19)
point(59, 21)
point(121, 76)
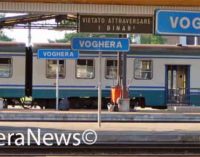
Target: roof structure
point(62, 10)
point(119, 2)
point(27, 21)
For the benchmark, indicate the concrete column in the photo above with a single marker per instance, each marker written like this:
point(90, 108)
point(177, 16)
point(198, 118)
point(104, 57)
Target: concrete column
point(124, 71)
point(119, 66)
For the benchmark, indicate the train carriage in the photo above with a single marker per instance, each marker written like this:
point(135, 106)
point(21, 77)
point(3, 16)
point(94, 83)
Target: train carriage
point(161, 74)
point(12, 70)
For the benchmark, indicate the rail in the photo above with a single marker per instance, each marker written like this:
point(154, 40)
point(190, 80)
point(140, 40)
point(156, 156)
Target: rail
point(150, 149)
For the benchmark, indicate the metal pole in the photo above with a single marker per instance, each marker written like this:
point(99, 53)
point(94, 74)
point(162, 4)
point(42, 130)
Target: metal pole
point(119, 65)
point(99, 91)
point(195, 40)
point(57, 84)
point(124, 69)
point(29, 34)
point(124, 90)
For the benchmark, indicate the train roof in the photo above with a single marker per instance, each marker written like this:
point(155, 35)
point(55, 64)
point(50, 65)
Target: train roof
point(165, 49)
point(137, 46)
point(53, 45)
point(163, 46)
point(6, 43)
point(12, 47)
point(136, 49)
point(144, 49)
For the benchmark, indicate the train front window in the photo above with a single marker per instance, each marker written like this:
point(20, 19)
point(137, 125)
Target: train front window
point(85, 69)
point(143, 69)
point(5, 67)
point(111, 69)
point(51, 69)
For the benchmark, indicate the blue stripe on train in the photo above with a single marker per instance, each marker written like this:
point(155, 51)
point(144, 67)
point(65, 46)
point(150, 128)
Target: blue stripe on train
point(10, 93)
point(195, 98)
point(152, 97)
point(186, 56)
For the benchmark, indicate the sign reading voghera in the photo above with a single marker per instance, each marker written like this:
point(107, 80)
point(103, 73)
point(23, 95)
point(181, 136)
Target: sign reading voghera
point(57, 54)
point(101, 44)
point(173, 22)
point(115, 24)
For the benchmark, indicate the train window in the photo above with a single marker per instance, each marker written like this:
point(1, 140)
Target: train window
point(85, 69)
point(51, 69)
point(143, 69)
point(111, 69)
point(5, 67)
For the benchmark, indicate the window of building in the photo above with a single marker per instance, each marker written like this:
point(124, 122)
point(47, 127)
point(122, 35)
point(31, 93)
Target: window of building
point(111, 69)
point(143, 69)
point(51, 69)
point(5, 67)
point(85, 69)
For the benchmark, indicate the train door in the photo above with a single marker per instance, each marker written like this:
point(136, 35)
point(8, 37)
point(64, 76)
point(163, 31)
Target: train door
point(177, 84)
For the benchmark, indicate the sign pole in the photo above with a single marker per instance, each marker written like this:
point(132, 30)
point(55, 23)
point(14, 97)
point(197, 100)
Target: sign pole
point(124, 71)
point(57, 84)
point(29, 34)
point(195, 40)
point(99, 92)
point(57, 55)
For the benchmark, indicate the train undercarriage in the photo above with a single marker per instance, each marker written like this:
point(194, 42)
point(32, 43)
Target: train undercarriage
point(74, 102)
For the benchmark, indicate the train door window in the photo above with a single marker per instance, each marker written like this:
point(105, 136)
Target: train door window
point(111, 69)
point(5, 67)
point(51, 69)
point(85, 69)
point(143, 69)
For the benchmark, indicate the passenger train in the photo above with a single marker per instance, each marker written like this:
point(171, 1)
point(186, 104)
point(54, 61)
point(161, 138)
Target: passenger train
point(160, 74)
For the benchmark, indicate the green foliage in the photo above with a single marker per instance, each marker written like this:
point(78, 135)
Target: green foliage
point(68, 36)
point(152, 39)
point(4, 37)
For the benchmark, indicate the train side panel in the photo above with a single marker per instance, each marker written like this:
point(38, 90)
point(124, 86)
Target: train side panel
point(13, 86)
point(69, 86)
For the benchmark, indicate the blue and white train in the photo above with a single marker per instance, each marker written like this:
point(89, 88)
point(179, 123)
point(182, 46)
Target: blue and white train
point(161, 74)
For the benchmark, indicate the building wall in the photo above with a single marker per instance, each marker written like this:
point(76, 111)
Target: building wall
point(171, 40)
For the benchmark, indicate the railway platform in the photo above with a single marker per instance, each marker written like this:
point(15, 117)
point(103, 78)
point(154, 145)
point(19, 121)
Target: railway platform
point(91, 116)
point(139, 137)
point(114, 138)
point(115, 132)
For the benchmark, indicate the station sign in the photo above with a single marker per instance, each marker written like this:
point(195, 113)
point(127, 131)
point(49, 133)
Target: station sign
point(57, 54)
point(115, 24)
point(170, 22)
point(101, 44)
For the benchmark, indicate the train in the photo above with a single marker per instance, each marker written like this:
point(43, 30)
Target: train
point(160, 75)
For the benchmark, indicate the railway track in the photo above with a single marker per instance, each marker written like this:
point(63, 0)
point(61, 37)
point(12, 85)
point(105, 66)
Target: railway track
point(141, 150)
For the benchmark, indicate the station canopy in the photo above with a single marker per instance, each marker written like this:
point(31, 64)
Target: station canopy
point(69, 22)
point(120, 2)
point(66, 22)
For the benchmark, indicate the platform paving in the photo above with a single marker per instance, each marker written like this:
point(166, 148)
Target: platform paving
point(181, 109)
point(91, 116)
point(116, 133)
